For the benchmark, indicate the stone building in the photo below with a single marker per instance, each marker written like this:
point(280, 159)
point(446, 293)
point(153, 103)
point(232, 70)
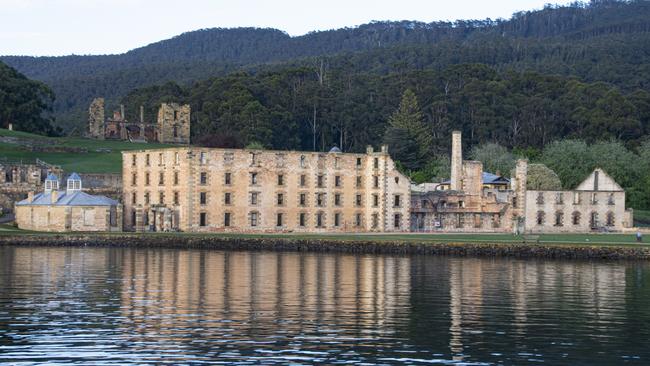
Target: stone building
point(67, 210)
point(470, 201)
point(172, 126)
point(597, 204)
point(221, 190)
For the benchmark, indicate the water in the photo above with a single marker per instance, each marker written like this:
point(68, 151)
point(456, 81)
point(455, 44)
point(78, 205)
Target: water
point(101, 306)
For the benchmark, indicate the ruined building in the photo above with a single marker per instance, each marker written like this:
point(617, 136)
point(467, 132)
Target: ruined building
point(172, 127)
point(476, 201)
point(233, 190)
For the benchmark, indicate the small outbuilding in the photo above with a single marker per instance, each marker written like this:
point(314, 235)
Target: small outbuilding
point(67, 210)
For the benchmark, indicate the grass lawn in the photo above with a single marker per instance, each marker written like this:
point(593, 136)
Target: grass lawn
point(90, 162)
point(641, 218)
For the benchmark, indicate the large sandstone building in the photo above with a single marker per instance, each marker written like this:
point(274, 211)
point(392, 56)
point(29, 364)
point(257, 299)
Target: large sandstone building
point(477, 201)
point(172, 127)
point(67, 210)
point(230, 190)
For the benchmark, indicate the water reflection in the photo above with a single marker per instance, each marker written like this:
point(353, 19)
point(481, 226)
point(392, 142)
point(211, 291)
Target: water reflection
point(117, 306)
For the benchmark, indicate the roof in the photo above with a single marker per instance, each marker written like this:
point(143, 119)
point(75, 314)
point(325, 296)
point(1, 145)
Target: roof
point(76, 198)
point(74, 176)
point(335, 149)
point(488, 178)
point(51, 176)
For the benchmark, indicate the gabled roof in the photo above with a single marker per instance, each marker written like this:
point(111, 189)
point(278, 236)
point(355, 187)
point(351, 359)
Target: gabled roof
point(335, 149)
point(76, 198)
point(51, 176)
point(603, 183)
point(74, 176)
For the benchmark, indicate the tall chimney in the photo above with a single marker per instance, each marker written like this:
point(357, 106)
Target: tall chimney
point(141, 114)
point(30, 196)
point(456, 161)
point(54, 195)
point(122, 112)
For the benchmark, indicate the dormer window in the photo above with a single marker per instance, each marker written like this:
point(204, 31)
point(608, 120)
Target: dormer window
point(74, 183)
point(51, 183)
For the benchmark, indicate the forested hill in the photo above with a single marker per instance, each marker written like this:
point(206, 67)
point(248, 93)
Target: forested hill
point(600, 41)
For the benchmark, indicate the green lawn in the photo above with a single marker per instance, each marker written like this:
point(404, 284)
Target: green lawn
point(641, 218)
point(90, 162)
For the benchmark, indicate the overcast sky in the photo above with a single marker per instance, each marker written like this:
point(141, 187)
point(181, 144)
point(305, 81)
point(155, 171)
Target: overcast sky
point(62, 27)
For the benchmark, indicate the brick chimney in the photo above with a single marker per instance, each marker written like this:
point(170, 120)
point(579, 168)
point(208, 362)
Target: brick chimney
point(54, 195)
point(30, 196)
point(456, 161)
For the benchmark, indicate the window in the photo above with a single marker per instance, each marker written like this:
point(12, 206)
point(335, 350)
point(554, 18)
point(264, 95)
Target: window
point(177, 158)
point(540, 217)
point(358, 162)
point(594, 198)
point(203, 198)
point(253, 178)
point(254, 159)
point(303, 199)
point(610, 199)
point(320, 181)
point(226, 219)
point(227, 178)
point(134, 179)
point(593, 222)
point(203, 157)
point(461, 204)
point(133, 160)
point(357, 201)
point(337, 162)
point(376, 163)
point(397, 221)
point(337, 181)
point(203, 219)
point(161, 178)
point(161, 159)
point(280, 179)
point(280, 199)
point(175, 178)
point(278, 220)
point(540, 198)
point(397, 200)
point(146, 160)
point(175, 115)
point(176, 198)
point(320, 199)
point(254, 218)
point(496, 220)
point(358, 181)
point(319, 219)
point(204, 178)
point(303, 180)
point(559, 218)
point(375, 221)
point(375, 200)
point(337, 199)
point(337, 219)
point(376, 181)
point(254, 198)
point(227, 198)
point(302, 219)
point(175, 130)
point(303, 160)
point(161, 198)
point(396, 180)
point(228, 158)
point(357, 220)
point(133, 198)
point(577, 199)
point(575, 218)
point(146, 198)
point(146, 178)
point(559, 198)
point(610, 219)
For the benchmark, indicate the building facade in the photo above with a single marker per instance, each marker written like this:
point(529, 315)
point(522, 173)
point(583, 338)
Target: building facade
point(232, 190)
point(172, 126)
point(67, 210)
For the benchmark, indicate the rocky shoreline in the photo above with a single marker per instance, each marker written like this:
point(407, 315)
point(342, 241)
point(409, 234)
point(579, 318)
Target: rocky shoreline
point(513, 250)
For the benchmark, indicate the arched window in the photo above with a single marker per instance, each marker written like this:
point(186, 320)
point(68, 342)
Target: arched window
point(610, 219)
point(559, 218)
point(576, 218)
point(593, 221)
point(540, 217)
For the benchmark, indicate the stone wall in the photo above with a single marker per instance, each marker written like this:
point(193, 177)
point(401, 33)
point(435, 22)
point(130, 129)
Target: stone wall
point(174, 123)
point(68, 218)
point(96, 119)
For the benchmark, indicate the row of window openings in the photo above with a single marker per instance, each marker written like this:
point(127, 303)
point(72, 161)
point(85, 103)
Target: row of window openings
point(255, 196)
point(254, 220)
point(577, 199)
point(203, 180)
point(576, 217)
point(161, 159)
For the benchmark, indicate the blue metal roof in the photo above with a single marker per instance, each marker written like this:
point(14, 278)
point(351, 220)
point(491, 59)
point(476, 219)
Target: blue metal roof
point(335, 149)
point(76, 198)
point(51, 176)
point(488, 178)
point(74, 176)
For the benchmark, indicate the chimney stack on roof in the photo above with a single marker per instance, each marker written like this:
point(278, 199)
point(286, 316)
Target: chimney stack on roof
point(30, 196)
point(55, 196)
point(122, 111)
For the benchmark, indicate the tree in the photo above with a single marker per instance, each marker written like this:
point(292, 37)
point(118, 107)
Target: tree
point(495, 158)
point(408, 137)
point(540, 177)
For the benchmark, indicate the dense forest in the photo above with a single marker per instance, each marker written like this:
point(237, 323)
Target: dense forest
point(601, 41)
point(24, 103)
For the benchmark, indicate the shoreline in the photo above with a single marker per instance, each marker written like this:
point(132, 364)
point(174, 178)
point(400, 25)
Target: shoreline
point(331, 245)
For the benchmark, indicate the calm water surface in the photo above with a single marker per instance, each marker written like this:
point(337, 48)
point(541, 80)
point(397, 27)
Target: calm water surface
point(121, 306)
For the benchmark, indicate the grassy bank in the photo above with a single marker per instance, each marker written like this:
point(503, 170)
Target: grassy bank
point(101, 156)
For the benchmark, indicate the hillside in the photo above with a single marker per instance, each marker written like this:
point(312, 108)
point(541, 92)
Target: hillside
point(603, 41)
point(72, 154)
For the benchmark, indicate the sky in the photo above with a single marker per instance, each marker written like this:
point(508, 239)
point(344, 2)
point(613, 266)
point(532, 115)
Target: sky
point(82, 27)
